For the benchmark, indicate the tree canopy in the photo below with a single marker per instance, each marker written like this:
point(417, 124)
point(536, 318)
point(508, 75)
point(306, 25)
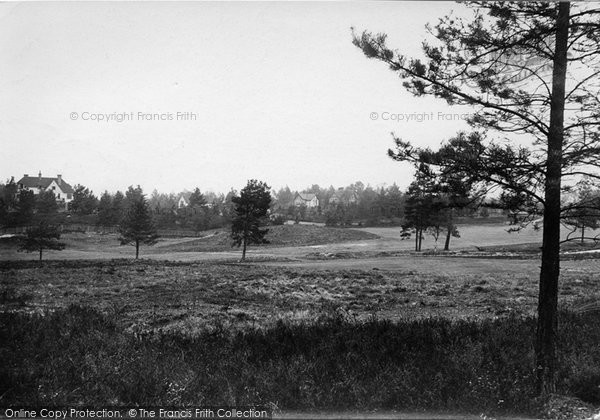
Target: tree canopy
point(45, 202)
point(84, 201)
point(251, 208)
point(137, 226)
point(197, 198)
point(40, 237)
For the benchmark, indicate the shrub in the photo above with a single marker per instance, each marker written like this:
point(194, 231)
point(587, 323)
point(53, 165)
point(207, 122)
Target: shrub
point(80, 356)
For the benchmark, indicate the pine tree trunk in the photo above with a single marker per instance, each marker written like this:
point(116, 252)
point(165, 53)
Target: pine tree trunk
point(41, 249)
point(420, 238)
point(416, 239)
point(448, 235)
point(548, 295)
point(137, 249)
point(244, 250)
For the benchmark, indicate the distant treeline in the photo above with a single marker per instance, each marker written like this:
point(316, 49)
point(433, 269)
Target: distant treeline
point(355, 204)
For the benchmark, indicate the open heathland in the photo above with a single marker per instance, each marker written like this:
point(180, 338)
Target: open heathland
point(193, 296)
point(449, 332)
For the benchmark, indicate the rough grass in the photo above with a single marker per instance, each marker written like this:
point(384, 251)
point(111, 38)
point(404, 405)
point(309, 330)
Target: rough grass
point(77, 355)
point(434, 335)
point(152, 295)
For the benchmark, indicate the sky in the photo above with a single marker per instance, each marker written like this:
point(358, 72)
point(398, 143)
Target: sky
point(178, 95)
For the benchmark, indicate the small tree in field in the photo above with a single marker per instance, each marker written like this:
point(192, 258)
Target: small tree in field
point(40, 237)
point(433, 199)
point(419, 209)
point(250, 212)
point(137, 226)
point(584, 213)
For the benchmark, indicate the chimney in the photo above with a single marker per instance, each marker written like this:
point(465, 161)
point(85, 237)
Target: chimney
point(40, 176)
point(59, 179)
point(26, 175)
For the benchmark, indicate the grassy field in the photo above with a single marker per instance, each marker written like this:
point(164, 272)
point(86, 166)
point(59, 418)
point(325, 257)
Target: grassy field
point(401, 332)
point(192, 297)
point(288, 242)
point(106, 246)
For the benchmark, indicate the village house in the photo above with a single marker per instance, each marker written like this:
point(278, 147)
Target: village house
point(183, 201)
point(61, 189)
point(343, 197)
point(309, 200)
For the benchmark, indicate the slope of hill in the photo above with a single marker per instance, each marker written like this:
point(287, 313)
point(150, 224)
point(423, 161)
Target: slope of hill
point(285, 235)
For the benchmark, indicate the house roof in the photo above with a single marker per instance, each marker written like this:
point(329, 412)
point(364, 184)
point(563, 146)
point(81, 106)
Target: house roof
point(306, 196)
point(44, 182)
point(341, 195)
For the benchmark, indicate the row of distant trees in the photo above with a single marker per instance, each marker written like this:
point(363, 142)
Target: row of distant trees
point(24, 208)
point(353, 203)
point(431, 205)
point(205, 210)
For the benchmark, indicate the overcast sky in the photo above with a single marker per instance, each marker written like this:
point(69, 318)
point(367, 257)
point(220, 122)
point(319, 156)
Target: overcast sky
point(278, 91)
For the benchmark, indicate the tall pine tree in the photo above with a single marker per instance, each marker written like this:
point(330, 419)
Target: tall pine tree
point(511, 62)
point(250, 213)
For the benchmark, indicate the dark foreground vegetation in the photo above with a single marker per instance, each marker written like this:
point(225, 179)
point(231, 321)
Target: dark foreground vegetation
point(80, 356)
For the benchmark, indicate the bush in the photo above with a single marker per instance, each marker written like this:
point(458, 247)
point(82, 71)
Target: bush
point(79, 356)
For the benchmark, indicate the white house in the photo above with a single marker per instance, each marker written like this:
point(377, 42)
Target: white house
point(307, 199)
point(61, 189)
point(182, 202)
